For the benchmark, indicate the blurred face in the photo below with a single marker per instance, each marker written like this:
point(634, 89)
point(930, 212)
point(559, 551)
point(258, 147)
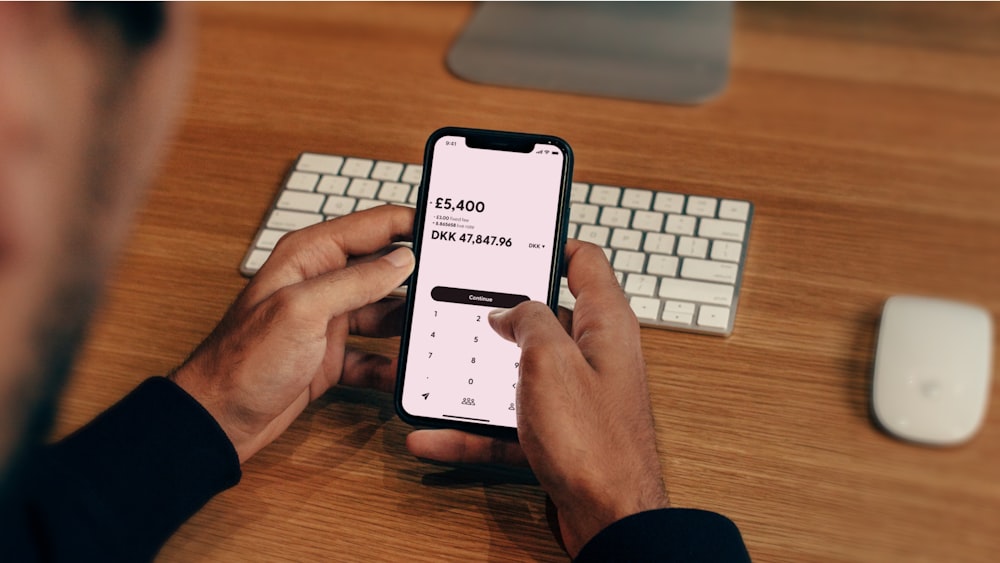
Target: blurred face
point(83, 118)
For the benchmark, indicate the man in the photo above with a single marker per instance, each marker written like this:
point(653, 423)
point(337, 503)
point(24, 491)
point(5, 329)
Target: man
point(87, 94)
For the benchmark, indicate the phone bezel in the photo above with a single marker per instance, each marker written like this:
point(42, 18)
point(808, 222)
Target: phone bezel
point(494, 140)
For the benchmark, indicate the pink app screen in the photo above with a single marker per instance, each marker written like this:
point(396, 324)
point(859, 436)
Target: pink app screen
point(488, 240)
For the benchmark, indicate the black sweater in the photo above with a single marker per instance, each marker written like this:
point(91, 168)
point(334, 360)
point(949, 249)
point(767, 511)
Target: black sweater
point(120, 486)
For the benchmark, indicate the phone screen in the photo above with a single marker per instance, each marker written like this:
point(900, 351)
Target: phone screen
point(490, 234)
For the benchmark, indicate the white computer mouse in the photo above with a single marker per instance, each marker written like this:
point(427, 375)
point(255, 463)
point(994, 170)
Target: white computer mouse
point(933, 366)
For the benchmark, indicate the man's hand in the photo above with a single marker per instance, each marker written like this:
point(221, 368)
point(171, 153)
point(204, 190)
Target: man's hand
point(282, 343)
point(583, 415)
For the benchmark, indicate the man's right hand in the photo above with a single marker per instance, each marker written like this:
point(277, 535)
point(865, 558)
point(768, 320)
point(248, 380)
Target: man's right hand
point(584, 421)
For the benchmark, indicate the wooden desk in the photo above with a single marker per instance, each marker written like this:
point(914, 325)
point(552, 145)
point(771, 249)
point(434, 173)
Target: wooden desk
point(869, 139)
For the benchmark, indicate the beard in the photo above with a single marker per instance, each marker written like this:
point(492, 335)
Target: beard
point(77, 270)
point(29, 410)
point(115, 160)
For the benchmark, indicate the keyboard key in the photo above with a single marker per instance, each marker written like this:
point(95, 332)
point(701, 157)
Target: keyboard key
point(645, 307)
point(680, 224)
point(694, 247)
point(256, 259)
point(651, 221)
point(566, 298)
point(594, 234)
point(678, 312)
point(626, 239)
point(387, 171)
point(269, 238)
point(394, 192)
point(709, 270)
point(719, 228)
point(637, 199)
point(583, 213)
point(362, 187)
point(701, 206)
point(304, 181)
point(284, 220)
point(726, 250)
point(659, 243)
point(604, 195)
point(571, 230)
point(714, 317)
point(628, 261)
point(336, 185)
point(678, 306)
point(639, 284)
point(300, 201)
point(368, 204)
point(699, 292)
point(357, 167)
point(339, 205)
point(668, 203)
point(324, 164)
point(414, 194)
point(735, 210)
point(578, 192)
point(679, 318)
point(662, 265)
point(413, 174)
point(615, 216)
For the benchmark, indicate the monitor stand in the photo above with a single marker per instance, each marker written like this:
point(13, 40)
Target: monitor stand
point(674, 52)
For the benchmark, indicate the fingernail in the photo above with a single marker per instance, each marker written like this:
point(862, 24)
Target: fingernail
point(497, 314)
point(401, 257)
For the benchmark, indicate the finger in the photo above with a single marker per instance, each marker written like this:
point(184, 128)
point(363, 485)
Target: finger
point(382, 319)
point(589, 272)
point(369, 371)
point(326, 246)
point(546, 348)
point(346, 290)
point(357, 259)
point(528, 324)
point(602, 316)
point(455, 446)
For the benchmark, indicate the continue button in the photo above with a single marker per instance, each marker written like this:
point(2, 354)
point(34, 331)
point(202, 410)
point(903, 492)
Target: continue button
point(475, 297)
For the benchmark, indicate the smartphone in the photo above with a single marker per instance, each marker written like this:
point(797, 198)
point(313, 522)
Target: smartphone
point(489, 233)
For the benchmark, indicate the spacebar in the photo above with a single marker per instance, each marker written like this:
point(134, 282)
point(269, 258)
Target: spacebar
point(701, 292)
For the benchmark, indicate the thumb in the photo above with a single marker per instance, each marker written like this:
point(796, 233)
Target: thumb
point(545, 346)
point(355, 286)
point(525, 322)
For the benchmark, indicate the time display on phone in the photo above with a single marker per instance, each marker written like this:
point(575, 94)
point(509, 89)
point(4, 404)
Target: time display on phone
point(490, 237)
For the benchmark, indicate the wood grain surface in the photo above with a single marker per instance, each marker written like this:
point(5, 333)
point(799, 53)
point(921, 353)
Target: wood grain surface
point(867, 136)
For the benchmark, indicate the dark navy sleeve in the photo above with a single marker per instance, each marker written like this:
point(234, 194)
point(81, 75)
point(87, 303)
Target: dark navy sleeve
point(669, 534)
point(120, 486)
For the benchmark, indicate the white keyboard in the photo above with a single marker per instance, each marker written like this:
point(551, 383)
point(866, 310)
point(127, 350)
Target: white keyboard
point(679, 258)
